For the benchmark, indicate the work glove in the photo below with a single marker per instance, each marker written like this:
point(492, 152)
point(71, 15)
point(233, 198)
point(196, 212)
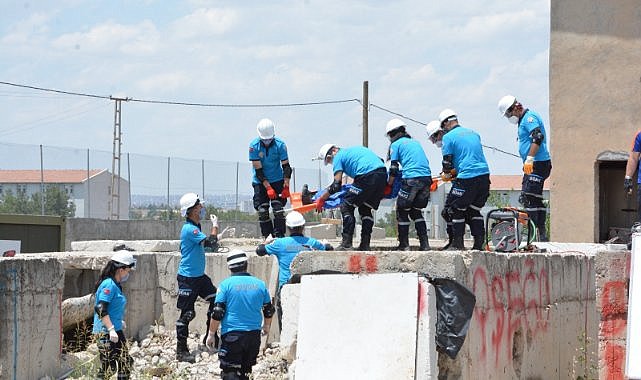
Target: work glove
point(320, 202)
point(113, 335)
point(124, 325)
point(528, 165)
point(446, 176)
point(269, 239)
point(285, 192)
point(388, 190)
point(212, 340)
point(434, 185)
point(271, 193)
point(627, 185)
point(214, 220)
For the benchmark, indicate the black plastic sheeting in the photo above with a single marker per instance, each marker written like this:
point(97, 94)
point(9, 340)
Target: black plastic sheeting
point(454, 308)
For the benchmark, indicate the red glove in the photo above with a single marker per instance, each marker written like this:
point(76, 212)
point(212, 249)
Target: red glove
point(320, 202)
point(271, 193)
point(434, 185)
point(285, 192)
point(388, 190)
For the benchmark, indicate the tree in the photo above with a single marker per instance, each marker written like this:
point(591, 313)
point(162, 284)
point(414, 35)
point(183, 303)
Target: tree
point(56, 203)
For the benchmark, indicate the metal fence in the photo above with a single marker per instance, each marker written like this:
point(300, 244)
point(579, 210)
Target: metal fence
point(147, 180)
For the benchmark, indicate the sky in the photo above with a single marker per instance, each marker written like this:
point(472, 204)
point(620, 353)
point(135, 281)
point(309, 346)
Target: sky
point(417, 56)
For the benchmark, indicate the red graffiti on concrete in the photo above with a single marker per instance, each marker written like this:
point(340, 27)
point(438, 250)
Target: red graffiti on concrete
point(614, 359)
point(614, 314)
point(507, 303)
point(354, 263)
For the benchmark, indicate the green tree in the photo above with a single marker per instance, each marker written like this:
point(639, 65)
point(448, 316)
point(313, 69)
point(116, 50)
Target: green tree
point(56, 203)
point(498, 199)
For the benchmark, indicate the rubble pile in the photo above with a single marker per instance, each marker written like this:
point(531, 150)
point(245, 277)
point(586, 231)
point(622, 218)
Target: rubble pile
point(154, 358)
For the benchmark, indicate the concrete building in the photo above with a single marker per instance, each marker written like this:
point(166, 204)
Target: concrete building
point(594, 98)
point(89, 191)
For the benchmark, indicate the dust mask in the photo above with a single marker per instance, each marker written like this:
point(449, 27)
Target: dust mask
point(513, 119)
point(439, 144)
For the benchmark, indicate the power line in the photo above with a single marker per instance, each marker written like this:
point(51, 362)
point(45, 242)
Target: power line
point(421, 123)
point(177, 103)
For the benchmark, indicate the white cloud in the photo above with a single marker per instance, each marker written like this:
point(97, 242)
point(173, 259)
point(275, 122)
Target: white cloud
point(110, 37)
point(204, 23)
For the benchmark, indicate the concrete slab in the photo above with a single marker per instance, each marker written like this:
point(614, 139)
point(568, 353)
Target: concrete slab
point(290, 295)
point(331, 347)
point(426, 357)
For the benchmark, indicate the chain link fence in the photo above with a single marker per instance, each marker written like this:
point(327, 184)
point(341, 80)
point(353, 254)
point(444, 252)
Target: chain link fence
point(146, 182)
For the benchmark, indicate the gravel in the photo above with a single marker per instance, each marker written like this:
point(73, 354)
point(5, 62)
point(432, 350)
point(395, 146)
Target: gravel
point(155, 358)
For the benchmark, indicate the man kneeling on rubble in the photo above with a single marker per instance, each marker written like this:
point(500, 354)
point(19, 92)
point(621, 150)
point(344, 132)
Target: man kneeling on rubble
point(241, 303)
point(287, 248)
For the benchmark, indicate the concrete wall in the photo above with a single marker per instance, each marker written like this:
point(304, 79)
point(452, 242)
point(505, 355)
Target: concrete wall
point(534, 316)
point(594, 98)
point(612, 281)
point(30, 297)
point(79, 229)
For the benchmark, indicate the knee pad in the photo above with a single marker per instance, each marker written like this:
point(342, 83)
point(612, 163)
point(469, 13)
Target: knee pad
point(347, 209)
point(263, 212)
point(187, 316)
point(279, 212)
point(364, 211)
point(402, 215)
point(448, 214)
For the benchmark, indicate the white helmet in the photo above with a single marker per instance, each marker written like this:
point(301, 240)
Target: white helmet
point(125, 258)
point(446, 114)
point(236, 258)
point(432, 127)
point(294, 219)
point(188, 201)
point(394, 124)
point(324, 150)
point(505, 103)
point(265, 129)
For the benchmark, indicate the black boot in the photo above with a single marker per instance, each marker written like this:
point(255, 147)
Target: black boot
point(449, 243)
point(424, 243)
point(479, 243)
point(346, 243)
point(456, 244)
point(364, 245)
point(403, 243)
point(182, 352)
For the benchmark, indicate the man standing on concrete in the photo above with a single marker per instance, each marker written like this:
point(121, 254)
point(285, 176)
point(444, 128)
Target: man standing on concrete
point(537, 164)
point(370, 177)
point(287, 248)
point(272, 172)
point(192, 280)
point(464, 163)
point(406, 153)
point(632, 167)
point(241, 303)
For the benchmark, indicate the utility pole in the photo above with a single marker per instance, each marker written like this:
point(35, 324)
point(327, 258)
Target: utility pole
point(114, 203)
point(365, 115)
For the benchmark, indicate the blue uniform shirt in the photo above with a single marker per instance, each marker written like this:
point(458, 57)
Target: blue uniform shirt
point(244, 297)
point(269, 157)
point(529, 122)
point(110, 292)
point(192, 251)
point(356, 160)
point(285, 249)
point(410, 154)
point(465, 146)
point(636, 147)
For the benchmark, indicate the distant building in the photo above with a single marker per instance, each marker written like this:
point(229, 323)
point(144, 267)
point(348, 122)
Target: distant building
point(91, 195)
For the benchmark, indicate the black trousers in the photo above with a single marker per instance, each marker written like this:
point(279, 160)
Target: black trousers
point(262, 204)
point(114, 357)
point(238, 351)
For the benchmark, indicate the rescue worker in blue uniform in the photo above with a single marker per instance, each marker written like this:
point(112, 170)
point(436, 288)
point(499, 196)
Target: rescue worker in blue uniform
point(633, 166)
point(191, 277)
point(243, 308)
point(534, 152)
point(108, 320)
point(464, 163)
point(408, 154)
point(370, 178)
point(271, 175)
point(287, 248)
